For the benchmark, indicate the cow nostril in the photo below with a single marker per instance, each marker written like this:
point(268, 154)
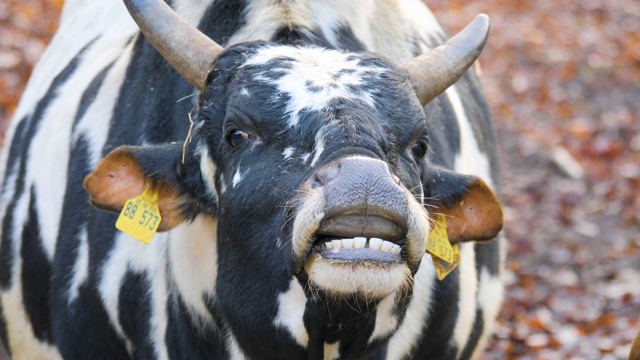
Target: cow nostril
point(326, 175)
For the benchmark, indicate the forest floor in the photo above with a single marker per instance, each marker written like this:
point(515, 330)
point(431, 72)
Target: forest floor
point(562, 79)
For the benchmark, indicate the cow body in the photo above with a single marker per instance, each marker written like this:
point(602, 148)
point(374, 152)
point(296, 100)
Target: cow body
point(73, 286)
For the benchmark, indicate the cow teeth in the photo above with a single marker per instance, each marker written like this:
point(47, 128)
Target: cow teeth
point(386, 246)
point(375, 243)
point(359, 242)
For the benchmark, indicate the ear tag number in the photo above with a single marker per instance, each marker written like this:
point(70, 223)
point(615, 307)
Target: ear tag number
point(444, 268)
point(140, 216)
point(445, 256)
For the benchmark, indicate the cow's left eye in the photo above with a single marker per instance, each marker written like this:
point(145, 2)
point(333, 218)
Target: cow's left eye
point(236, 137)
point(419, 149)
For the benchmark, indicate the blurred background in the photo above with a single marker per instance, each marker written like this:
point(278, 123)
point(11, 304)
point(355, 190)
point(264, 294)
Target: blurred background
point(563, 82)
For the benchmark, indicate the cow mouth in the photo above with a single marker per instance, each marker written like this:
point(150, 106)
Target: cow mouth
point(360, 239)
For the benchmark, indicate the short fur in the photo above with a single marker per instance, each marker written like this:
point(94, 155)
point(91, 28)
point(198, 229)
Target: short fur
point(311, 82)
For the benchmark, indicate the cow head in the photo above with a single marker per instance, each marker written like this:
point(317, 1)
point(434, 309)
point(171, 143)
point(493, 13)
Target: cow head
point(314, 163)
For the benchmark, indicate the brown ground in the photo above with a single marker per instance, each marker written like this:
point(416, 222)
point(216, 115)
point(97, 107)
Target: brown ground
point(562, 79)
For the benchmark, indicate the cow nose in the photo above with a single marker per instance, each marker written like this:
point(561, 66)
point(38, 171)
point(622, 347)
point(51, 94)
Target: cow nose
point(362, 186)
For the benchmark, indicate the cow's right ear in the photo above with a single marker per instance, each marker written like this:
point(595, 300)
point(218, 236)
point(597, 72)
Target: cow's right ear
point(127, 171)
point(471, 208)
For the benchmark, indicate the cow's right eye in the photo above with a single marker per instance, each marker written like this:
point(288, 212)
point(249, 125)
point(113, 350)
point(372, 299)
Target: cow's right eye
point(236, 137)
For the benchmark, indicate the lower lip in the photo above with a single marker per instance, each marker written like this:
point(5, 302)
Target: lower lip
point(360, 255)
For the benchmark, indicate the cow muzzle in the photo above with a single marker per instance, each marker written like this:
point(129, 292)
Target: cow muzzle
point(358, 229)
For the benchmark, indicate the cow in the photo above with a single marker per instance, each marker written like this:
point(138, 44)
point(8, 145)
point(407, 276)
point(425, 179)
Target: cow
point(295, 158)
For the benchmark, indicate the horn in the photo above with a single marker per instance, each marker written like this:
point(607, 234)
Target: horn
point(434, 71)
point(187, 49)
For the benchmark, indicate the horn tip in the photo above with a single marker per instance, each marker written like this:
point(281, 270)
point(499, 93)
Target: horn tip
point(483, 21)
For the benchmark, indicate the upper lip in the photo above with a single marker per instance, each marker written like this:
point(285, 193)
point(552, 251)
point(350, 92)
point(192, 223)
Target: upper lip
point(361, 226)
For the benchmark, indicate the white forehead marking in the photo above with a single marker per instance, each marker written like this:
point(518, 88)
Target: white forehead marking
point(315, 77)
point(319, 146)
point(288, 152)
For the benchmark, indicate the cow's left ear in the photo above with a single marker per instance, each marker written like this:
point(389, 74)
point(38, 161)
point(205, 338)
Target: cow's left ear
point(471, 208)
point(127, 171)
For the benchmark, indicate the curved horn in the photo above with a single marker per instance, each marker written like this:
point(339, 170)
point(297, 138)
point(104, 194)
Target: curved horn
point(188, 50)
point(434, 71)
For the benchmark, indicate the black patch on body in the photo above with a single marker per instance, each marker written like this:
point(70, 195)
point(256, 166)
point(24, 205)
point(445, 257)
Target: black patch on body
point(147, 107)
point(436, 340)
point(474, 337)
point(4, 339)
point(222, 19)
point(36, 273)
point(347, 40)
point(85, 318)
point(83, 330)
point(488, 256)
point(444, 133)
point(187, 340)
point(329, 322)
point(135, 304)
point(6, 241)
point(300, 36)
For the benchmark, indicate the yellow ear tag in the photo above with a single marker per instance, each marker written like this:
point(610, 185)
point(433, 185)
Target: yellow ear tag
point(438, 243)
point(444, 268)
point(140, 216)
point(445, 256)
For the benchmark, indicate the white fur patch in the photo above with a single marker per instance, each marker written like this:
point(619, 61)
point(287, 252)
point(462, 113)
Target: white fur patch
point(233, 348)
point(305, 157)
point(470, 160)
point(208, 171)
point(319, 68)
point(468, 287)
point(291, 306)
point(265, 18)
point(129, 254)
point(386, 319)
point(288, 152)
point(23, 343)
point(332, 351)
point(319, 146)
point(370, 281)
point(306, 221)
point(237, 178)
point(416, 319)
point(223, 184)
point(490, 295)
point(81, 267)
point(193, 257)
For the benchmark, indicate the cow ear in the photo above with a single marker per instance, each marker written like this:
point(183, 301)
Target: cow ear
point(128, 170)
point(471, 208)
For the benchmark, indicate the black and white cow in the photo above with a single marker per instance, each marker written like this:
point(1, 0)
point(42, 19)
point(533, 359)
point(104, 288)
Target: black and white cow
point(295, 217)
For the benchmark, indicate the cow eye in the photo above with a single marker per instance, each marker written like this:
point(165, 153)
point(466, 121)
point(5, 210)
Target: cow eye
point(419, 149)
point(236, 137)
